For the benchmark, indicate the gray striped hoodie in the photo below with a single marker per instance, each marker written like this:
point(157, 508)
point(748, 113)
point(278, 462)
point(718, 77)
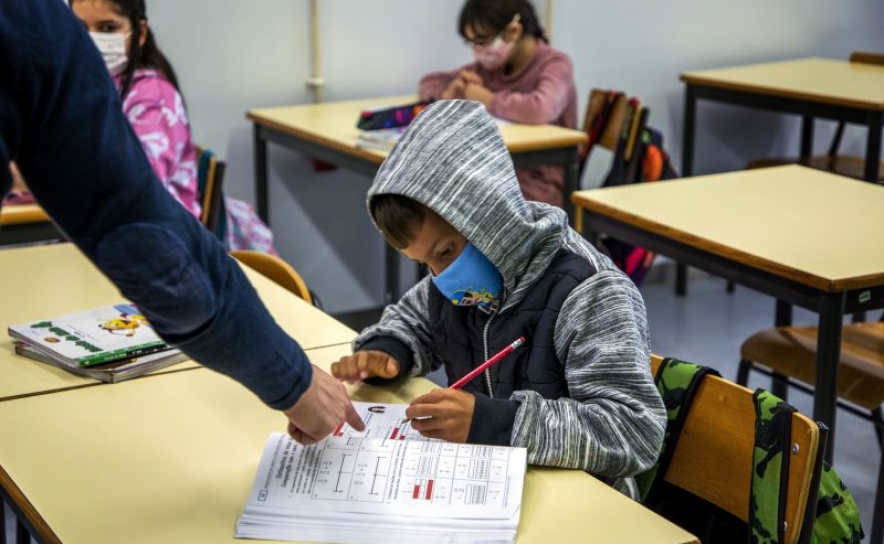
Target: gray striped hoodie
point(453, 160)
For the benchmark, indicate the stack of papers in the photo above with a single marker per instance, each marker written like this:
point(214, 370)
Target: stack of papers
point(384, 485)
point(381, 139)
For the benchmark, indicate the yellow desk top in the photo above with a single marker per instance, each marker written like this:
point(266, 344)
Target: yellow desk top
point(16, 214)
point(827, 81)
point(171, 458)
point(817, 228)
point(333, 124)
point(50, 280)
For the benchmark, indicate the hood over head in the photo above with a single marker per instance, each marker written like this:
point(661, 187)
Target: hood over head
point(452, 160)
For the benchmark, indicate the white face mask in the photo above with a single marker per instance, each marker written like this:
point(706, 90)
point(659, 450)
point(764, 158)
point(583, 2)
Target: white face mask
point(493, 55)
point(112, 47)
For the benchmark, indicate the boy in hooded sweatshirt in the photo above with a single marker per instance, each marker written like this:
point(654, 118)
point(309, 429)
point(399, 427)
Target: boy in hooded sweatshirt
point(579, 394)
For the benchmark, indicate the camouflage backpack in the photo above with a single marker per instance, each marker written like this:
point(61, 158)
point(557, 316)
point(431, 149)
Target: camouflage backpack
point(836, 519)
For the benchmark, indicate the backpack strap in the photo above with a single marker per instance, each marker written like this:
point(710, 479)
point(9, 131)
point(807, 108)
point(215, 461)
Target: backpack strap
point(770, 467)
point(677, 381)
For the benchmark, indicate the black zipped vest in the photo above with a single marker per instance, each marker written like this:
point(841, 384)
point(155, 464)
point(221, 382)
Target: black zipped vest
point(458, 334)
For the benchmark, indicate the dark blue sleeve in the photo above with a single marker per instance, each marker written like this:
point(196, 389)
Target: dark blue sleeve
point(61, 120)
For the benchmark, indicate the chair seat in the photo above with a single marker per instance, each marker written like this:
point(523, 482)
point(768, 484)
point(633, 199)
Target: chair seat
point(844, 165)
point(791, 351)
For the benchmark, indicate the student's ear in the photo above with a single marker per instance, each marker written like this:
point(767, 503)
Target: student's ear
point(143, 29)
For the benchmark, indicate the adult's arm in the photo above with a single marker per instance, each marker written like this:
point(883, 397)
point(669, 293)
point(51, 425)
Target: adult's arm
point(61, 121)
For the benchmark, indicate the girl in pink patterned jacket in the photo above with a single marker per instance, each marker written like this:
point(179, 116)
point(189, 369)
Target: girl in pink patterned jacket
point(155, 108)
point(517, 75)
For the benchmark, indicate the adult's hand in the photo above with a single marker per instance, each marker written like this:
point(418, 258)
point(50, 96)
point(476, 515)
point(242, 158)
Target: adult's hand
point(319, 411)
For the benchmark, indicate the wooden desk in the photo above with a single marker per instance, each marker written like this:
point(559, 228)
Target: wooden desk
point(328, 132)
point(42, 281)
point(804, 236)
point(171, 459)
point(810, 87)
point(25, 223)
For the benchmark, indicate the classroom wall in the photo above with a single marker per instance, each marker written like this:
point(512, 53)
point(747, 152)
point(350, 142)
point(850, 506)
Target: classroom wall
point(232, 56)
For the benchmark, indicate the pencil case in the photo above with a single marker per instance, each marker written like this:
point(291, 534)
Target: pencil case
point(389, 117)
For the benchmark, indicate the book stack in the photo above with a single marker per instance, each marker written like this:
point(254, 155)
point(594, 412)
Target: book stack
point(111, 343)
point(386, 484)
point(381, 139)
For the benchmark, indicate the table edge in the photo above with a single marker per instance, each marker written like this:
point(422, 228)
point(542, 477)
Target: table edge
point(811, 280)
point(699, 81)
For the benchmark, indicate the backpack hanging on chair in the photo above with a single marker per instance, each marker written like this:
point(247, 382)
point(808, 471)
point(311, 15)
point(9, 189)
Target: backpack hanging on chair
point(619, 124)
point(833, 520)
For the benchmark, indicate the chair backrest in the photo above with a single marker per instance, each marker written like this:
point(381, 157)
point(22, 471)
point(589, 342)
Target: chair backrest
point(210, 173)
point(276, 269)
point(867, 57)
point(713, 456)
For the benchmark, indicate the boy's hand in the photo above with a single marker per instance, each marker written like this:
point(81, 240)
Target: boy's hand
point(322, 407)
point(443, 413)
point(363, 365)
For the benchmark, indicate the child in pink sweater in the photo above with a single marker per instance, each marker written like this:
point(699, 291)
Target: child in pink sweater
point(517, 75)
point(155, 108)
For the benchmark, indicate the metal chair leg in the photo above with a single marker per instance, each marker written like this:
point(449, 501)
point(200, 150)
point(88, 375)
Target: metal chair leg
point(878, 512)
point(743, 371)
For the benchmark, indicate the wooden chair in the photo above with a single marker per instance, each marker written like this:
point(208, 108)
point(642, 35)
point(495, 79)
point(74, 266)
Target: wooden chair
point(789, 354)
point(846, 165)
point(277, 270)
point(210, 173)
point(713, 455)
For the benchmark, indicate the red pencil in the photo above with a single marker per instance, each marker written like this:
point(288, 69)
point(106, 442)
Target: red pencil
point(494, 359)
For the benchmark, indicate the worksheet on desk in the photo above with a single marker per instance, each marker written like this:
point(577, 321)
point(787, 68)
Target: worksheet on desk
point(378, 472)
point(381, 421)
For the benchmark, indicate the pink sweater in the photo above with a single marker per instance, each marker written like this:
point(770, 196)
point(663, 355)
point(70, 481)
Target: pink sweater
point(543, 91)
point(157, 115)
point(156, 112)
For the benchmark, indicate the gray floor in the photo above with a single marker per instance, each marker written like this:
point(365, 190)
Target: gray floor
point(708, 326)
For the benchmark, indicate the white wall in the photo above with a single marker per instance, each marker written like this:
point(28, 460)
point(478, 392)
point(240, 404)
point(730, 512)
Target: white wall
point(232, 56)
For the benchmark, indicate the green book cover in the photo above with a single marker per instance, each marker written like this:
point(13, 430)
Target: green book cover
point(92, 337)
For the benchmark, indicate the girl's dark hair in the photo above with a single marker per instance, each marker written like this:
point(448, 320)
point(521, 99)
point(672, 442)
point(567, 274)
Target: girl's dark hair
point(398, 217)
point(146, 56)
point(492, 16)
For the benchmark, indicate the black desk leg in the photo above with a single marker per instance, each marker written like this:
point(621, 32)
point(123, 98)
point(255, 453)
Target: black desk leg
point(806, 136)
point(2, 521)
point(571, 181)
point(782, 318)
point(260, 150)
point(873, 146)
point(687, 169)
point(21, 533)
point(831, 314)
point(391, 281)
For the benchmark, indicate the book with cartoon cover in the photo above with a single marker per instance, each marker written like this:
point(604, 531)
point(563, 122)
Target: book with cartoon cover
point(92, 337)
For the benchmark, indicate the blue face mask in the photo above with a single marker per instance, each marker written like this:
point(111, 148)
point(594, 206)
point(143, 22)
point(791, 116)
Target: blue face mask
point(471, 280)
